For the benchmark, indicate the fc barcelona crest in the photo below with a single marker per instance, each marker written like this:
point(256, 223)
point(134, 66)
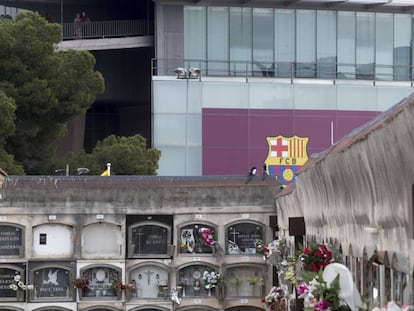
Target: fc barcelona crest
point(285, 156)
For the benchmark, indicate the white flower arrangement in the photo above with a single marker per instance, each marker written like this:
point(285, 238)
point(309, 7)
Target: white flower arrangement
point(18, 283)
point(212, 279)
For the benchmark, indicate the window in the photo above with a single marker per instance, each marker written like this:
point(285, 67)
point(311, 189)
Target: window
point(384, 46)
point(346, 45)
point(263, 37)
point(402, 47)
point(218, 41)
point(305, 44)
point(195, 33)
point(240, 40)
point(284, 42)
point(365, 40)
point(241, 238)
point(149, 239)
point(190, 241)
point(326, 44)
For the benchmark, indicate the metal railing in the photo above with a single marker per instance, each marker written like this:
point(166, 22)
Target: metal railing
point(289, 70)
point(107, 29)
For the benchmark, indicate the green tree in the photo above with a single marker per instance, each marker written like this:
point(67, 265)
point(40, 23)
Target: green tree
point(7, 116)
point(127, 155)
point(49, 87)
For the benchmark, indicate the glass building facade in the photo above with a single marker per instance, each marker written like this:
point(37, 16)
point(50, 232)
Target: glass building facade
point(298, 43)
point(267, 71)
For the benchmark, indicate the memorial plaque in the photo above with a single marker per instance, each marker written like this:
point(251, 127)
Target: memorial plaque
point(149, 239)
point(7, 278)
point(241, 238)
point(10, 241)
point(52, 282)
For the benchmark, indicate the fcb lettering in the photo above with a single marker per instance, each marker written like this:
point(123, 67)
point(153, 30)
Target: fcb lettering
point(285, 155)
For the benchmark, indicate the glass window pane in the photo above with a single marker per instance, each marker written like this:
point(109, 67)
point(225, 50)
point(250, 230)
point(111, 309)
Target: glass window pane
point(195, 33)
point(217, 41)
point(191, 242)
point(149, 239)
point(346, 45)
point(244, 282)
point(365, 37)
point(384, 46)
point(305, 43)
point(263, 42)
point(241, 238)
point(284, 42)
point(326, 44)
point(191, 281)
point(240, 40)
point(100, 282)
point(150, 281)
point(52, 283)
point(402, 47)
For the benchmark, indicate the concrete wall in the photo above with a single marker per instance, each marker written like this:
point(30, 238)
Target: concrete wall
point(85, 224)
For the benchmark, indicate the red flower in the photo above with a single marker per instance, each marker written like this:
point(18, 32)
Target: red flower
point(307, 251)
point(319, 253)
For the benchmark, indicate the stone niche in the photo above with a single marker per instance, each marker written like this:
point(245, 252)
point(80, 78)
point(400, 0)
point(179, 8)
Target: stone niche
point(150, 282)
point(52, 281)
point(7, 278)
point(101, 240)
point(53, 240)
point(149, 236)
point(241, 237)
point(11, 241)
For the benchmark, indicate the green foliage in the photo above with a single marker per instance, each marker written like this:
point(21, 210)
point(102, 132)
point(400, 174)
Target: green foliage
point(48, 87)
point(128, 156)
point(330, 293)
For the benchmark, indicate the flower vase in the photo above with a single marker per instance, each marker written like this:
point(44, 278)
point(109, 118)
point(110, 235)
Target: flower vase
point(209, 292)
point(183, 291)
point(119, 294)
point(80, 293)
point(20, 295)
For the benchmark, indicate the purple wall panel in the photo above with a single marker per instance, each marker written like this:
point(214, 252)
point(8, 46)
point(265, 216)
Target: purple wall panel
point(234, 140)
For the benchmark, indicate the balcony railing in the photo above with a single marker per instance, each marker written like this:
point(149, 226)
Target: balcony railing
point(107, 29)
point(289, 70)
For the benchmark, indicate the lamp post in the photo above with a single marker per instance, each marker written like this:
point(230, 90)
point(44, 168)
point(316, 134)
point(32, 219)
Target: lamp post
point(187, 74)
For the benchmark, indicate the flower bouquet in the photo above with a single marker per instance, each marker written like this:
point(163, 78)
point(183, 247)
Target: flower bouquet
point(182, 284)
point(319, 296)
point(255, 280)
point(18, 284)
point(212, 279)
point(275, 299)
point(316, 257)
point(81, 283)
point(207, 237)
point(261, 248)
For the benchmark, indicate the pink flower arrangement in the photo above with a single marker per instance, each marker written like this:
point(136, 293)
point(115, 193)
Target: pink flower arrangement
point(206, 236)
